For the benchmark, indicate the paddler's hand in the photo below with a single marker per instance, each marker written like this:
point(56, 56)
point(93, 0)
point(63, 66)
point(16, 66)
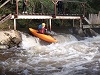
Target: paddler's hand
point(45, 29)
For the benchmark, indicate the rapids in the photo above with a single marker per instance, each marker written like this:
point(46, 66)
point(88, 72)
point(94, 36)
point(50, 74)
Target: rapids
point(66, 57)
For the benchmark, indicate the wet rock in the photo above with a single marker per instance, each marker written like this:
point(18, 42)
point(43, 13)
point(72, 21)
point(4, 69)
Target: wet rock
point(90, 32)
point(93, 32)
point(81, 33)
point(4, 47)
point(9, 39)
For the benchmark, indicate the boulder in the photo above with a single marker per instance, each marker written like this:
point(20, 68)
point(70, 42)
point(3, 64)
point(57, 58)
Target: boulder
point(9, 39)
point(81, 32)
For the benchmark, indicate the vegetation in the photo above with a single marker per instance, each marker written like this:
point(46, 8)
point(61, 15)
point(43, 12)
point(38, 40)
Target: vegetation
point(46, 6)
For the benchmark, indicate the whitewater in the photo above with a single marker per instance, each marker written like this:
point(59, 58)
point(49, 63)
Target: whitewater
point(68, 56)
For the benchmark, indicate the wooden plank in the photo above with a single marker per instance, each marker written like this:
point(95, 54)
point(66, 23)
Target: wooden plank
point(87, 20)
point(67, 17)
point(44, 17)
point(91, 26)
point(86, 26)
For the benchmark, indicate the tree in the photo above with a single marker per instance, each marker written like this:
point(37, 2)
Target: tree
point(40, 6)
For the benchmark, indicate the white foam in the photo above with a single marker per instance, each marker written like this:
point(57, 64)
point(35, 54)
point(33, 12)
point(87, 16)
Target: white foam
point(69, 53)
point(29, 41)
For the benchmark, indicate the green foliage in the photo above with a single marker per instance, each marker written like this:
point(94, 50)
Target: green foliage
point(95, 4)
point(6, 24)
point(38, 6)
point(46, 6)
point(23, 23)
point(41, 6)
point(4, 11)
point(92, 6)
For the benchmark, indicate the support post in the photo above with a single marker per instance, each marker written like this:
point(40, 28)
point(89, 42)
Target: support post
point(16, 15)
point(84, 9)
point(54, 10)
point(50, 23)
point(80, 23)
point(14, 24)
point(55, 3)
point(73, 23)
point(12, 1)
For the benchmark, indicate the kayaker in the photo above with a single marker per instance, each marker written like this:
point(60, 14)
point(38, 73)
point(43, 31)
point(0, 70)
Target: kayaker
point(42, 29)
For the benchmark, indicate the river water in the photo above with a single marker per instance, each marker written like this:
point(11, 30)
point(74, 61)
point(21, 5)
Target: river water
point(67, 57)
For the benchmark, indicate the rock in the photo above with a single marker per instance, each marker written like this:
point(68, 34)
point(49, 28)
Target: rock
point(93, 32)
point(9, 38)
point(81, 33)
point(4, 47)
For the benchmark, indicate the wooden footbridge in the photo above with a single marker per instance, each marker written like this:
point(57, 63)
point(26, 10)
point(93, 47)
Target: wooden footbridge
point(49, 17)
point(41, 16)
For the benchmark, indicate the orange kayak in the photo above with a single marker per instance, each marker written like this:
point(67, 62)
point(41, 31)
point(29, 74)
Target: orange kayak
point(44, 37)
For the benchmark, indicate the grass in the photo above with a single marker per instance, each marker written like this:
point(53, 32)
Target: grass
point(6, 25)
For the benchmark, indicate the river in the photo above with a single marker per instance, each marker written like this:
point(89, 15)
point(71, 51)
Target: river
point(68, 56)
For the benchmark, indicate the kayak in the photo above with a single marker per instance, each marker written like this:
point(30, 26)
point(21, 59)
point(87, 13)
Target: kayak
point(44, 37)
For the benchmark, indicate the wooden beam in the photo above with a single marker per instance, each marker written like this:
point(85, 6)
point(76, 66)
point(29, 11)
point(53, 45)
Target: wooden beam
point(55, 9)
point(50, 23)
point(73, 23)
point(80, 23)
point(44, 17)
point(14, 24)
point(16, 9)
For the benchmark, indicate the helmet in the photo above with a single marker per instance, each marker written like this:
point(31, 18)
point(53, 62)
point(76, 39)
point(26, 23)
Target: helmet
point(43, 24)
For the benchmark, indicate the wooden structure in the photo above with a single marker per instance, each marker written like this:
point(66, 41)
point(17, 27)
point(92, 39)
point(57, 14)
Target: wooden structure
point(93, 21)
point(49, 17)
point(94, 18)
point(55, 3)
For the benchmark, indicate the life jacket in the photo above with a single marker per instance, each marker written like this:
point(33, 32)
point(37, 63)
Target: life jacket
point(42, 30)
point(40, 27)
